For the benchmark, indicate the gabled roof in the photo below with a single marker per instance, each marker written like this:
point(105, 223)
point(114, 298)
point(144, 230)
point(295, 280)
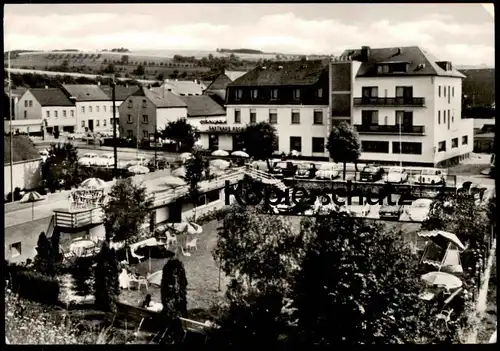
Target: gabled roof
point(16, 92)
point(184, 87)
point(233, 75)
point(51, 97)
point(121, 92)
point(86, 92)
point(202, 105)
point(24, 149)
point(413, 55)
point(160, 97)
point(220, 82)
point(284, 73)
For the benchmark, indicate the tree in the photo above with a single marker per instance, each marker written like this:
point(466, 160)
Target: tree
point(194, 175)
point(139, 71)
point(160, 77)
point(126, 210)
point(365, 273)
point(44, 260)
point(106, 285)
point(182, 132)
point(343, 144)
point(110, 68)
point(260, 140)
point(61, 167)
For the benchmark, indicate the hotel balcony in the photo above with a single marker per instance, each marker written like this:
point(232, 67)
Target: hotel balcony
point(78, 218)
point(399, 101)
point(387, 129)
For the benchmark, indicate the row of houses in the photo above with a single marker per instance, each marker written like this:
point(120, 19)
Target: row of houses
point(405, 104)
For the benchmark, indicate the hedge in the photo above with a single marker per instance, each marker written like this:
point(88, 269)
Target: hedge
point(34, 286)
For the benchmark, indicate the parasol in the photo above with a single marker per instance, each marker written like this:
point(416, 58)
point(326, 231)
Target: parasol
point(446, 235)
point(220, 153)
point(186, 227)
point(446, 280)
point(240, 154)
point(174, 181)
point(179, 172)
point(221, 164)
point(93, 183)
point(155, 278)
point(138, 169)
point(32, 197)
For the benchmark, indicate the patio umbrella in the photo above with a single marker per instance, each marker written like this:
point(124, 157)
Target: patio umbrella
point(240, 154)
point(93, 183)
point(32, 197)
point(155, 278)
point(221, 164)
point(138, 169)
point(186, 227)
point(186, 156)
point(450, 237)
point(174, 181)
point(295, 153)
point(446, 280)
point(220, 153)
point(179, 172)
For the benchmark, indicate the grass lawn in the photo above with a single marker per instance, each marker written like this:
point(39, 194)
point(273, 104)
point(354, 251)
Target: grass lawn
point(488, 324)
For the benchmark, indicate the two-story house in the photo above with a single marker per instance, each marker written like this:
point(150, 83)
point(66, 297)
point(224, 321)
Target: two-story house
point(93, 107)
point(293, 96)
point(121, 93)
point(147, 110)
point(407, 108)
point(50, 107)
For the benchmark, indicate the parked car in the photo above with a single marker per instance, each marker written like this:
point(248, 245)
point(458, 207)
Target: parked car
point(371, 173)
point(88, 159)
point(44, 154)
point(283, 169)
point(431, 176)
point(419, 210)
point(327, 172)
point(107, 160)
point(139, 160)
point(306, 171)
point(88, 136)
point(76, 136)
point(391, 210)
point(397, 175)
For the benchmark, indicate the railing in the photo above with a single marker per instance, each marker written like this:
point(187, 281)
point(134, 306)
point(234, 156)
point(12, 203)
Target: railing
point(390, 129)
point(398, 101)
point(76, 219)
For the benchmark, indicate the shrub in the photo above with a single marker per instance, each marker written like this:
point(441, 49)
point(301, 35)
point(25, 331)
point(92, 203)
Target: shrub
point(35, 286)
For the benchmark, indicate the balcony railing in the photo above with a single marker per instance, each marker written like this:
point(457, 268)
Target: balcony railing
point(398, 101)
point(390, 129)
point(78, 218)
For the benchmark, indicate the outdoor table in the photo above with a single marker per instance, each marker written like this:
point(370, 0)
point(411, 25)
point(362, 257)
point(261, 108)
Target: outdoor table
point(427, 295)
point(155, 306)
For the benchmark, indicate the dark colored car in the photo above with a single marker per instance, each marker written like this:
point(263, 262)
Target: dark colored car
point(306, 171)
point(283, 169)
point(371, 173)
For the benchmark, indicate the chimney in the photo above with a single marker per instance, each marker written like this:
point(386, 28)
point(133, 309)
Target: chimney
point(400, 51)
point(365, 53)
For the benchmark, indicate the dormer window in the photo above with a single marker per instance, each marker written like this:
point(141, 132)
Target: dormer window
point(383, 69)
point(274, 94)
point(445, 65)
point(398, 68)
point(254, 93)
point(238, 93)
point(296, 94)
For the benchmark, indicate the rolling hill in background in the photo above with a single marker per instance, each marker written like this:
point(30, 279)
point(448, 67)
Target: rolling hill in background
point(479, 82)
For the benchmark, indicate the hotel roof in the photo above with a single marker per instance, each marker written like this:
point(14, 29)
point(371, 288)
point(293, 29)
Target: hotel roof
point(202, 105)
point(160, 97)
point(86, 92)
point(51, 97)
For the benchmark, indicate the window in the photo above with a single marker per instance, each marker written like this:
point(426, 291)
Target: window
point(130, 133)
point(55, 114)
point(296, 94)
point(72, 113)
point(253, 116)
point(375, 146)
point(213, 195)
point(452, 91)
point(97, 123)
point(319, 93)
point(64, 113)
point(444, 91)
point(237, 116)
point(111, 121)
point(465, 140)
point(25, 103)
point(369, 118)
point(104, 108)
point(442, 146)
point(97, 109)
point(439, 117)
point(90, 109)
point(129, 119)
point(404, 92)
point(449, 93)
point(145, 134)
point(409, 148)
point(15, 249)
point(369, 92)
point(145, 119)
point(254, 93)
point(386, 119)
point(398, 67)
point(439, 91)
point(83, 109)
point(130, 104)
point(444, 116)
point(104, 123)
point(48, 114)
point(144, 103)
point(405, 119)
point(296, 143)
point(273, 116)
point(238, 93)
point(83, 124)
point(453, 116)
point(25, 114)
point(318, 145)
point(31, 103)
point(318, 116)
point(295, 117)
point(274, 94)
point(454, 143)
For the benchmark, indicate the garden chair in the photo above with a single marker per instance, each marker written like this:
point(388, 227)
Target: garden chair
point(192, 244)
point(444, 315)
point(171, 239)
point(140, 282)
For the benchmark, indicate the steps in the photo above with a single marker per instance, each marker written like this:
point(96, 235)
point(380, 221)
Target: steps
point(265, 178)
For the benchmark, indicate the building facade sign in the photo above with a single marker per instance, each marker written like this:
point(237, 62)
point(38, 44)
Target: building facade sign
point(220, 129)
point(217, 121)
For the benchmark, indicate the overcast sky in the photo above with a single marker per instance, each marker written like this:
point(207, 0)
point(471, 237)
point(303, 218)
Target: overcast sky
point(462, 33)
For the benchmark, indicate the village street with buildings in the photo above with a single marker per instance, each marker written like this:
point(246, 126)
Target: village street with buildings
point(146, 208)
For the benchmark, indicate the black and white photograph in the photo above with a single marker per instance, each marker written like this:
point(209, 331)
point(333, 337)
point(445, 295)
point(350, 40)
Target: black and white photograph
point(233, 175)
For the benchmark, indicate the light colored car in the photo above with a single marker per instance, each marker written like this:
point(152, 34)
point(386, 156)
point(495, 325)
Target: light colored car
point(76, 136)
point(139, 160)
point(419, 210)
point(327, 172)
point(431, 176)
point(88, 159)
point(397, 175)
point(44, 154)
point(107, 160)
point(358, 207)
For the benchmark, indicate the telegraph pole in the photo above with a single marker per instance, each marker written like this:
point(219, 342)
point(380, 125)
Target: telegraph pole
point(11, 139)
point(115, 150)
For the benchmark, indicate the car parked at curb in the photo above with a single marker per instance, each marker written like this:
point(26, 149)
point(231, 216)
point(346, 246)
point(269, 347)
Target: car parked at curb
point(88, 159)
point(431, 176)
point(106, 160)
point(327, 172)
point(391, 210)
point(371, 173)
point(397, 175)
point(76, 136)
point(283, 169)
point(306, 171)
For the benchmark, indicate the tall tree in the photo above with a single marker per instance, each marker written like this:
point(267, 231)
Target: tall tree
point(193, 176)
point(106, 285)
point(260, 140)
point(44, 260)
point(182, 133)
point(61, 167)
point(343, 145)
point(126, 210)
